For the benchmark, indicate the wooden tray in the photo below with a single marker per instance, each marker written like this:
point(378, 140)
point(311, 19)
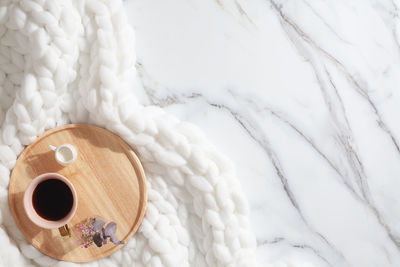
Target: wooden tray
point(107, 176)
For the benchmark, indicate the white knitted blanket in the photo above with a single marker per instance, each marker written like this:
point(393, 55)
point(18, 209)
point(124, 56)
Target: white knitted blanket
point(68, 61)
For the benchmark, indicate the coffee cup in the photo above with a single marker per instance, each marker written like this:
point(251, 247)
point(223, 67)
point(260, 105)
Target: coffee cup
point(50, 202)
point(64, 154)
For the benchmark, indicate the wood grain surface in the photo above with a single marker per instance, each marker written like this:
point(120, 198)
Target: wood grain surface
point(107, 176)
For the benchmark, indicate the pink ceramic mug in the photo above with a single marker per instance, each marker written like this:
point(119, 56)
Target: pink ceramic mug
point(31, 193)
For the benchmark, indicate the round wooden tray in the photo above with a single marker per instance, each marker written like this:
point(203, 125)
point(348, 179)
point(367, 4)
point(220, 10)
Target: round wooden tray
point(107, 176)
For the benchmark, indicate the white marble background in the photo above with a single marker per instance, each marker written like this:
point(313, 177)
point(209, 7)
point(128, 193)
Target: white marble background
point(304, 97)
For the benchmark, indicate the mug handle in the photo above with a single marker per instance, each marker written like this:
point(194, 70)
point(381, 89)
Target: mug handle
point(64, 231)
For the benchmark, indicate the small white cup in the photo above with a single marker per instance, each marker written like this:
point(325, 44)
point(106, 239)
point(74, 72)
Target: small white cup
point(65, 154)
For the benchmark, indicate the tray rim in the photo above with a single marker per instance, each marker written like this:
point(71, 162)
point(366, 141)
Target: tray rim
point(132, 157)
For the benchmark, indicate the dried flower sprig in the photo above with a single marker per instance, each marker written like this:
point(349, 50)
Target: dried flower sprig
point(92, 231)
point(86, 232)
point(101, 233)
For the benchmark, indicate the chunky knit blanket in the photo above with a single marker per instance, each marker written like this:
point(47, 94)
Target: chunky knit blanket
point(68, 61)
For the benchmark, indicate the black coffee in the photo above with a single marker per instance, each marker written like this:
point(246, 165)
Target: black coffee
point(52, 199)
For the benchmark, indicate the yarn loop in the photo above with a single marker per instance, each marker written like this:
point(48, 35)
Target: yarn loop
point(65, 62)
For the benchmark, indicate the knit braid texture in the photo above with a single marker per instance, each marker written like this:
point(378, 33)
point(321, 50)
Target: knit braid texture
point(68, 61)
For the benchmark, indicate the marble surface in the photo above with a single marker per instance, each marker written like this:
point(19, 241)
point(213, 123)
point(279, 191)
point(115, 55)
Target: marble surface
point(304, 97)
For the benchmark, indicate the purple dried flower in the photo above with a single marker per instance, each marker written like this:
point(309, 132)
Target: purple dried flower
point(98, 224)
point(93, 231)
point(110, 231)
point(98, 239)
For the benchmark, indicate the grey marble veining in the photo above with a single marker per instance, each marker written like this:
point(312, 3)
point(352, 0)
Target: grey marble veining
point(303, 96)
